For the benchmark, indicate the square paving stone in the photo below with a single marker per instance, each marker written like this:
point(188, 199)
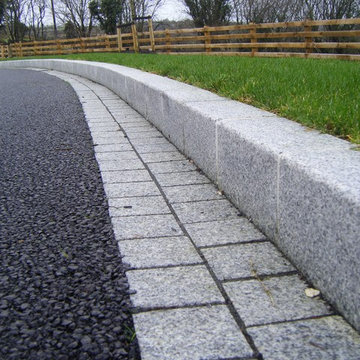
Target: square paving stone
point(104, 127)
point(126, 176)
point(321, 339)
point(274, 299)
point(125, 110)
point(112, 165)
point(129, 206)
point(138, 227)
point(223, 232)
point(155, 148)
point(192, 334)
point(180, 194)
point(205, 211)
point(125, 119)
point(145, 253)
point(117, 156)
point(174, 286)
point(187, 178)
point(246, 260)
point(162, 156)
point(131, 189)
point(142, 128)
point(171, 166)
point(135, 124)
point(113, 147)
point(159, 140)
point(116, 137)
point(144, 135)
point(99, 119)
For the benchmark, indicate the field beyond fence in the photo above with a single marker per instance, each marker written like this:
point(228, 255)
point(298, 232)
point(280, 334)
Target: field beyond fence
point(336, 39)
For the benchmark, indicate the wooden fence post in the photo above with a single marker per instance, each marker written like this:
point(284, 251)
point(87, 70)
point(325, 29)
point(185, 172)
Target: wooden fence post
point(308, 39)
point(135, 37)
point(58, 52)
point(107, 42)
point(151, 33)
point(2, 52)
point(119, 39)
point(168, 41)
point(20, 49)
point(253, 39)
point(207, 39)
point(10, 52)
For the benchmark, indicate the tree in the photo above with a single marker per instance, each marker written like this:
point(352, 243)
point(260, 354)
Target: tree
point(331, 9)
point(36, 11)
point(109, 13)
point(78, 13)
point(54, 17)
point(15, 19)
point(2, 11)
point(208, 12)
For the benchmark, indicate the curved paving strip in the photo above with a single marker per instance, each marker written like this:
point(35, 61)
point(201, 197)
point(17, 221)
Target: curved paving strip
point(205, 283)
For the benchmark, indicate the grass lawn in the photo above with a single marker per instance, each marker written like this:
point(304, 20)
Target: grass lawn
point(321, 94)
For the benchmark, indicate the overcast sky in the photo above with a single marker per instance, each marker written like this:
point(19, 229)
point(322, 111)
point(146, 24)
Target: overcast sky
point(172, 10)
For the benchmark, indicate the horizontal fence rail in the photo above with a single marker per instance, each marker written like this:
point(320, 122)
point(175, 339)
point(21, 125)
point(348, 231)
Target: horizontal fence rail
point(338, 39)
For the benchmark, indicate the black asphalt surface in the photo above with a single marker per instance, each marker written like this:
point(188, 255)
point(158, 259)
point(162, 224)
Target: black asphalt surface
point(63, 291)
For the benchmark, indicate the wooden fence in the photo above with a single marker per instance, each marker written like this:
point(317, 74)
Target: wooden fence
point(339, 39)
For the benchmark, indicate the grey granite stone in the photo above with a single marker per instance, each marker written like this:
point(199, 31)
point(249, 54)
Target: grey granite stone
point(113, 147)
point(200, 140)
point(187, 178)
point(116, 137)
point(125, 176)
point(119, 190)
point(322, 339)
point(164, 114)
point(112, 165)
point(246, 260)
point(223, 232)
point(137, 227)
point(125, 111)
point(124, 119)
point(196, 334)
point(247, 173)
point(143, 128)
point(175, 286)
point(171, 166)
point(154, 148)
point(146, 253)
point(151, 205)
point(159, 140)
point(274, 299)
point(98, 127)
point(319, 228)
point(116, 155)
point(162, 157)
point(179, 194)
point(91, 118)
point(135, 124)
point(205, 211)
point(144, 135)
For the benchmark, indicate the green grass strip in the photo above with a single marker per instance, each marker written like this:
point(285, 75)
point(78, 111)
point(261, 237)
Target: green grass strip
point(320, 94)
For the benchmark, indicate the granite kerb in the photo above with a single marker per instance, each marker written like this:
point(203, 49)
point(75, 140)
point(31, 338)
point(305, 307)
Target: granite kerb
point(300, 187)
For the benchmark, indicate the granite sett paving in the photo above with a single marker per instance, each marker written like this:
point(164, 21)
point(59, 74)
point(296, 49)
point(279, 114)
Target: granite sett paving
point(205, 283)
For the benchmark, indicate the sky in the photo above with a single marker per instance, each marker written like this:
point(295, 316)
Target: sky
point(172, 10)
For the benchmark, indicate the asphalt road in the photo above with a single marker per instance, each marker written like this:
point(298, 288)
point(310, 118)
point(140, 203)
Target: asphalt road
point(63, 291)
